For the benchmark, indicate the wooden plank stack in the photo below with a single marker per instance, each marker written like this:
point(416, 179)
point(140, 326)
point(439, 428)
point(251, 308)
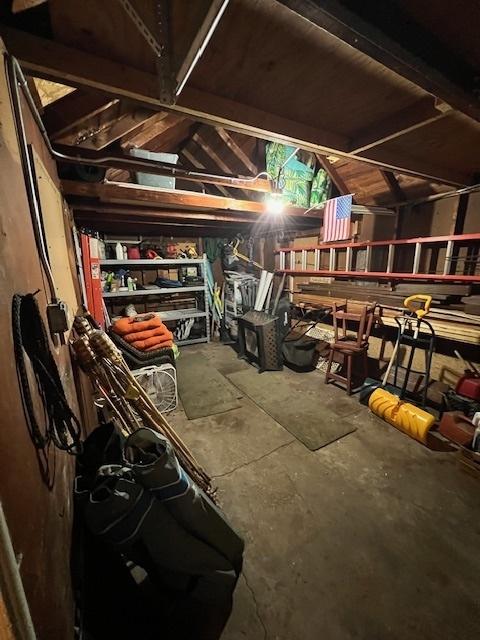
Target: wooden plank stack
point(448, 316)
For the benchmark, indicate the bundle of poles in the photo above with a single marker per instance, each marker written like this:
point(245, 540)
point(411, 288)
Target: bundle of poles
point(263, 300)
point(130, 405)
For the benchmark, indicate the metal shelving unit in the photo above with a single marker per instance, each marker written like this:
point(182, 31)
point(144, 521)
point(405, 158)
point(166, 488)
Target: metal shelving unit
point(174, 314)
point(152, 263)
point(149, 292)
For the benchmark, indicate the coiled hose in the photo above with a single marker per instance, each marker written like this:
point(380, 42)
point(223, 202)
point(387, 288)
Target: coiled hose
point(30, 339)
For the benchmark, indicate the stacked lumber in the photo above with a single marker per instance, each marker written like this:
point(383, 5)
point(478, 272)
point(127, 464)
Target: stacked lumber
point(472, 304)
point(451, 323)
point(388, 295)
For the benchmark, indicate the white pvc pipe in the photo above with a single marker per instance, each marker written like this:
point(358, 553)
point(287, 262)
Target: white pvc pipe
point(11, 586)
point(258, 306)
point(266, 285)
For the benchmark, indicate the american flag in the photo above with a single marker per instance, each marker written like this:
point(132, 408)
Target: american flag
point(336, 218)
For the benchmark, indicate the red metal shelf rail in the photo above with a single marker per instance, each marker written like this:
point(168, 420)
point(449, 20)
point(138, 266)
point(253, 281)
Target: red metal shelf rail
point(449, 268)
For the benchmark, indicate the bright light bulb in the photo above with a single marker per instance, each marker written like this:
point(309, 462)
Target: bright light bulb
point(275, 205)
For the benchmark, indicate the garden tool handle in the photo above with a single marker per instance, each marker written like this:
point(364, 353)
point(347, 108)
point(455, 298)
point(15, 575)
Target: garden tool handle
point(426, 300)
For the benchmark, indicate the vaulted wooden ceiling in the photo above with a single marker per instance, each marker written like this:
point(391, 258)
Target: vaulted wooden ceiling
point(385, 117)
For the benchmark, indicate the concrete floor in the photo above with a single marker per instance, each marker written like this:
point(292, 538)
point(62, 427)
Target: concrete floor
point(373, 537)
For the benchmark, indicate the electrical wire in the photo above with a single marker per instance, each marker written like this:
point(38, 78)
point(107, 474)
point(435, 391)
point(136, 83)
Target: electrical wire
point(169, 169)
point(28, 172)
point(30, 340)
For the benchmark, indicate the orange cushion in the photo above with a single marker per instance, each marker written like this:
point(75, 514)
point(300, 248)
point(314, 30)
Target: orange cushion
point(143, 335)
point(125, 326)
point(153, 341)
point(164, 345)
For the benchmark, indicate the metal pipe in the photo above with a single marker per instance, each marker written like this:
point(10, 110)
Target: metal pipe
point(12, 66)
point(200, 42)
point(11, 585)
point(163, 168)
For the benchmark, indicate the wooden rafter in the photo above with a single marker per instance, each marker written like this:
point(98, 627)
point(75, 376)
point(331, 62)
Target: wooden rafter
point(382, 156)
point(192, 160)
point(393, 186)
point(124, 162)
point(118, 175)
point(150, 196)
point(32, 87)
point(46, 58)
point(67, 113)
point(129, 211)
point(177, 129)
point(340, 21)
point(149, 128)
point(101, 130)
point(418, 115)
point(94, 212)
point(333, 174)
point(161, 227)
point(237, 150)
point(200, 138)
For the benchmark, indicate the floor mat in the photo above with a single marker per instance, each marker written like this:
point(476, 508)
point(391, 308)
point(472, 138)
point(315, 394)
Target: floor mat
point(203, 390)
point(293, 400)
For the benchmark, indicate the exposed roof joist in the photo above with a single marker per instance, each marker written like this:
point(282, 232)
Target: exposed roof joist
point(395, 189)
point(64, 114)
point(200, 139)
point(103, 129)
point(417, 115)
point(50, 59)
point(113, 192)
point(191, 158)
point(333, 17)
point(124, 162)
point(237, 151)
point(333, 174)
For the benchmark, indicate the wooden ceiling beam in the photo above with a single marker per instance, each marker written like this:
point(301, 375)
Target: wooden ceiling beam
point(277, 129)
point(237, 150)
point(191, 159)
point(52, 60)
point(333, 174)
point(138, 213)
point(173, 136)
point(393, 186)
point(159, 227)
point(100, 132)
point(68, 112)
point(398, 54)
point(157, 124)
point(118, 175)
point(82, 206)
point(433, 172)
point(423, 112)
point(199, 138)
point(32, 87)
point(150, 196)
point(125, 162)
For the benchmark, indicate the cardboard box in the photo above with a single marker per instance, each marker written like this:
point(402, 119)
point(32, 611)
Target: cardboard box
point(173, 274)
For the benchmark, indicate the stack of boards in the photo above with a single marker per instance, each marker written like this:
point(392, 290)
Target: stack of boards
point(448, 315)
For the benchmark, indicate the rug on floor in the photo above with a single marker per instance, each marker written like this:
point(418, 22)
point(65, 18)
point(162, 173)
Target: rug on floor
point(301, 403)
point(203, 390)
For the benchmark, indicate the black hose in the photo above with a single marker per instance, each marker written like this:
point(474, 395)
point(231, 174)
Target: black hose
point(30, 340)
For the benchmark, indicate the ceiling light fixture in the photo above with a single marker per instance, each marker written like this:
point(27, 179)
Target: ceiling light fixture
point(274, 203)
